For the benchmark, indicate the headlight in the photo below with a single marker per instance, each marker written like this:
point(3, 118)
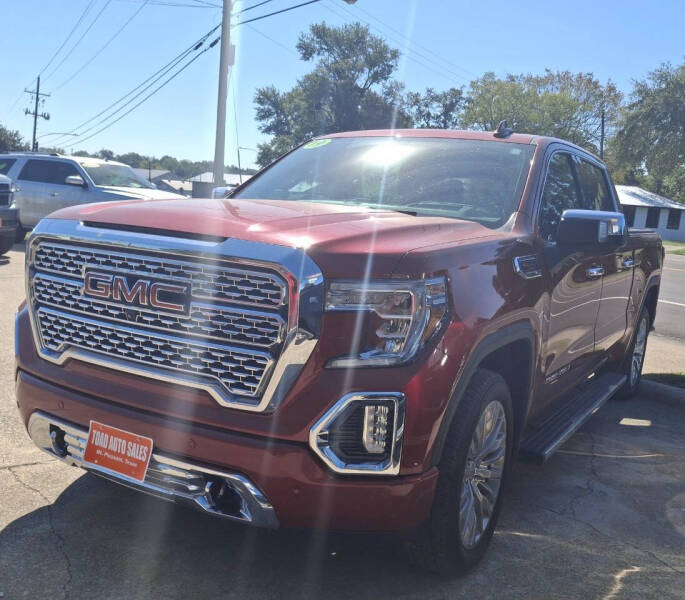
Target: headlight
point(398, 317)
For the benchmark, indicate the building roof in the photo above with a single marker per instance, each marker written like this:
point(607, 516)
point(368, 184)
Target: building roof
point(153, 173)
point(179, 184)
point(229, 178)
point(632, 195)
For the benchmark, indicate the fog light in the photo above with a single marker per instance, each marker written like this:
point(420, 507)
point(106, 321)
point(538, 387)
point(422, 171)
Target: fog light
point(375, 428)
point(362, 433)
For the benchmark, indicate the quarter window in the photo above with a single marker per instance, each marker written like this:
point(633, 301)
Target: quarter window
point(6, 165)
point(47, 171)
point(652, 218)
point(674, 218)
point(560, 194)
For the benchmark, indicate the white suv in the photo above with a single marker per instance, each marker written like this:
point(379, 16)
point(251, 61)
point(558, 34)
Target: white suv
point(47, 182)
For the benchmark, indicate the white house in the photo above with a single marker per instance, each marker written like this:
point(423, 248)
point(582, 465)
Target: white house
point(647, 209)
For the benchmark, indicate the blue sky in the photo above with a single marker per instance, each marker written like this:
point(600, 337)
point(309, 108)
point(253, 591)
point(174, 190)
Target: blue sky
point(444, 43)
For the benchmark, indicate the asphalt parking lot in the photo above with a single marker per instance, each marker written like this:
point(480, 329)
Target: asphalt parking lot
point(604, 519)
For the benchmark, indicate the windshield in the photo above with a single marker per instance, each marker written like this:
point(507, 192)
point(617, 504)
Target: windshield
point(466, 179)
point(115, 175)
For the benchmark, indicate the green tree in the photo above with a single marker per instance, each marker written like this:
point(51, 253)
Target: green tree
point(650, 140)
point(442, 110)
point(349, 88)
point(558, 103)
point(11, 140)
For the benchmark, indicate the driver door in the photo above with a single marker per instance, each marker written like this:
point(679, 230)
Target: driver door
point(574, 288)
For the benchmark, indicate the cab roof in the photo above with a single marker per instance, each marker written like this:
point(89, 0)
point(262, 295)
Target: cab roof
point(517, 138)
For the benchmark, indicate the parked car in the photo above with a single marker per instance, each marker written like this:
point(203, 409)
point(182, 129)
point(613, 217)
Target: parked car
point(8, 215)
point(47, 182)
point(364, 336)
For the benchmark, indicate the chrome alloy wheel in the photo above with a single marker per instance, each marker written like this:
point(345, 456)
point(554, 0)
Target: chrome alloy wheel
point(638, 352)
point(483, 473)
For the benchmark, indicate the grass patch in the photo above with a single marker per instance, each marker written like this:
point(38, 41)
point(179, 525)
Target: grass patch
point(675, 247)
point(681, 252)
point(674, 379)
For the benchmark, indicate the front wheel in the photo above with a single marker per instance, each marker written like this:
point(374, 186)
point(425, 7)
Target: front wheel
point(472, 469)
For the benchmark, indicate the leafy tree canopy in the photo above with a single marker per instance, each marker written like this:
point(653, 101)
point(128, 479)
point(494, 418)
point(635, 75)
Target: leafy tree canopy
point(649, 146)
point(11, 140)
point(557, 103)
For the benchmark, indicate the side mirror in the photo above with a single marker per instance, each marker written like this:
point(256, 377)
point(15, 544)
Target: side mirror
point(76, 180)
point(591, 227)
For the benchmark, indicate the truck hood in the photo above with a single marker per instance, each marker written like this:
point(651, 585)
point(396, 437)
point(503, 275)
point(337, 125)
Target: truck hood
point(123, 193)
point(339, 238)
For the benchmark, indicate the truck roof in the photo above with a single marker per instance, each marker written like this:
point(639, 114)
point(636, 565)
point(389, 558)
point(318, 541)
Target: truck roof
point(517, 138)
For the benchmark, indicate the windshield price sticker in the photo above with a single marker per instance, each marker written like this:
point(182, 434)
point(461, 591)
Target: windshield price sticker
point(317, 143)
point(118, 450)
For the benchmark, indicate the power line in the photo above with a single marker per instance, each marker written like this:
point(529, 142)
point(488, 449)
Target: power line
point(66, 39)
point(242, 10)
point(80, 39)
point(152, 93)
point(107, 43)
point(175, 4)
point(156, 76)
point(416, 57)
point(275, 41)
point(277, 12)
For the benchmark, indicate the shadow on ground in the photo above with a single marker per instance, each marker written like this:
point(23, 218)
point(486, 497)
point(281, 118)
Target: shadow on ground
point(605, 518)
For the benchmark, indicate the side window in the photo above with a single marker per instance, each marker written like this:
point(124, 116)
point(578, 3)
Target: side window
point(652, 217)
point(560, 193)
point(47, 171)
point(593, 186)
point(6, 165)
point(674, 215)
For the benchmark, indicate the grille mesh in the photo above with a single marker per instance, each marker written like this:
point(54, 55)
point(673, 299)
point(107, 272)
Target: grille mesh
point(207, 281)
point(240, 373)
point(236, 326)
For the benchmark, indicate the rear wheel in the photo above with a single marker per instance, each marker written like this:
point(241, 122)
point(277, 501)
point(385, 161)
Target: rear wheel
point(472, 469)
point(634, 361)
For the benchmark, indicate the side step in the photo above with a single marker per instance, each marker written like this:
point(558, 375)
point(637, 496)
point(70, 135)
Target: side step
point(545, 441)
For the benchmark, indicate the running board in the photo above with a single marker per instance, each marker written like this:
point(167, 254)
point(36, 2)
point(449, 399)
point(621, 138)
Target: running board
point(546, 440)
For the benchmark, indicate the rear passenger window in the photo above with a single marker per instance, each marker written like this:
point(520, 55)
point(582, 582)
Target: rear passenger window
point(560, 193)
point(593, 187)
point(47, 171)
point(6, 165)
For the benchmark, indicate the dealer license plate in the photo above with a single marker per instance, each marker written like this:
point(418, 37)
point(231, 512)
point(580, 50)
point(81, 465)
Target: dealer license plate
point(117, 450)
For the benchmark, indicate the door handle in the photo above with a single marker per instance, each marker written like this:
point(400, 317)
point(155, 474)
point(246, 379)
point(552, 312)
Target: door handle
point(54, 194)
point(628, 263)
point(594, 272)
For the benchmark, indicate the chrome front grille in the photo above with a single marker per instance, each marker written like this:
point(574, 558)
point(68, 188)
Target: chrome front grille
point(208, 281)
point(237, 325)
point(238, 338)
point(240, 372)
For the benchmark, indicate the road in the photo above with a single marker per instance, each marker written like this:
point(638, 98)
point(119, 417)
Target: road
point(603, 519)
point(670, 320)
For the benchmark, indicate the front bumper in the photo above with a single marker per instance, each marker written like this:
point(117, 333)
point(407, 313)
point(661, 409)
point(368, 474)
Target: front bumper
point(285, 475)
point(8, 220)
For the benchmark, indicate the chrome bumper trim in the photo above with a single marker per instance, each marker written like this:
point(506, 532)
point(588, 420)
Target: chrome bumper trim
point(167, 478)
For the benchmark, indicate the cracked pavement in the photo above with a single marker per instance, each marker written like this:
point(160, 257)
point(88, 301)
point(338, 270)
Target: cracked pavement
point(603, 519)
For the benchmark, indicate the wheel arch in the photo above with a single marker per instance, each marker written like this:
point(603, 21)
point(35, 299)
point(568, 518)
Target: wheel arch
point(510, 352)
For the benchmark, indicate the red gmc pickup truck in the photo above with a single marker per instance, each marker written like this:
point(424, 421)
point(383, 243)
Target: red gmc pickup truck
point(363, 336)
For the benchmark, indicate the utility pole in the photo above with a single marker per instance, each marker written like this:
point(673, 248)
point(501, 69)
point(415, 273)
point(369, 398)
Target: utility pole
point(601, 137)
point(226, 59)
point(35, 114)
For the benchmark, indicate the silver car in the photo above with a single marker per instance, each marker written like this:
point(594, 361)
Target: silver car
point(47, 182)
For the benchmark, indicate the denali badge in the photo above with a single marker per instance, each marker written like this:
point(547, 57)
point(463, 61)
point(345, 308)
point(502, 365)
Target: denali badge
point(129, 289)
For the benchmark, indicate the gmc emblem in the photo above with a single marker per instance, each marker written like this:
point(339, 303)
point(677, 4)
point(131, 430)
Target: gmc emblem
point(133, 290)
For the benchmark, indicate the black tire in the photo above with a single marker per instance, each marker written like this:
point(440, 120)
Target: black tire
point(634, 373)
point(438, 546)
point(5, 244)
point(19, 234)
